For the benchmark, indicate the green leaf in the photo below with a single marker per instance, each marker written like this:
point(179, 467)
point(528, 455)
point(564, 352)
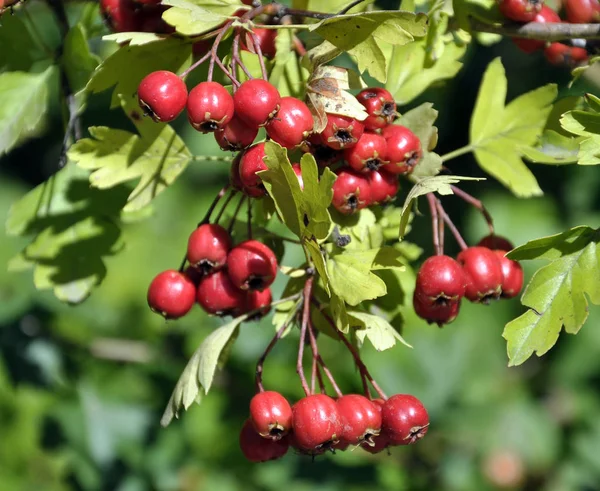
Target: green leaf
point(439, 184)
point(370, 58)
point(587, 126)
point(133, 38)
point(288, 75)
point(364, 230)
point(553, 148)
point(556, 295)
point(156, 157)
point(198, 16)
point(78, 61)
point(376, 329)
point(24, 51)
point(499, 133)
point(314, 251)
point(200, 370)
point(23, 105)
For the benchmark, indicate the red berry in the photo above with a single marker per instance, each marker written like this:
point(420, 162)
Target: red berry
point(208, 246)
point(404, 419)
point(512, 275)
point(384, 186)
point(252, 161)
point(341, 132)
point(369, 153)
point(380, 106)
point(520, 10)
point(483, 272)
point(317, 423)
point(265, 39)
point(380, 442)
point(441, 279)
point(496, 242)
point(252, 265)
point(323, 154)
point(438, 312)
point(256, 102)
point(120, 15)
point(236, 135)
point(217, 295)
point(546, 14)
point(582, 11)
point(258, 449)
point(351, 191)
point(403, 149)
point(209, 107)
point(561, 54)
point(258, 300)
point(361, 419)
point(151, 20)
point(162, 95)
point(292, 124)
point(271, 415)
point(298, 171)
point(171, 294)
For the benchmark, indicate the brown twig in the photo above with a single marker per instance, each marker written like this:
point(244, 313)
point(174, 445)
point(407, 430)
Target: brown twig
point(435, 223)
point(539, 30)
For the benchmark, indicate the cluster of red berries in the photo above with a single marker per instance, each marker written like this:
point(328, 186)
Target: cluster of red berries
point(135, 16)
point(318, 423)
point(224, 280)
point(576, 12)
point(480, 274)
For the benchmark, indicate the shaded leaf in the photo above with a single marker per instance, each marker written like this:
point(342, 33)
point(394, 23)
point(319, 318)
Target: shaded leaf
point(553, 148)
point(376, 329)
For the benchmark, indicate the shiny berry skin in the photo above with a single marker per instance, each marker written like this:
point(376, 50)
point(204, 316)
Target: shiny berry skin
point(208, 247)
point(217, 295)
point(384, 186)
point(162, 95)
point(380, 442)
point(171, 294)
point(256, 102)
point(298, 171)
point(271, 415)
point(258, 300)
point(546, 14)
point(252, 162)
point(317, 423)
point(252, 265)
point(236, 135)
point(582, 11)
point(369, 153)
point(403, 149)
point(341, 132)
point(292, 124)
point(258, 449)
point(435, 312)
point(561, 54)
point(494, 242)
point(351, 191)
point(483, 272)
point(441, 279)
point(361, 419)
point(266, 41)
point(520, 10)
point(209, 107)
point(380, 106)
point(120, 15)
point(404, 419)
point(512, 275)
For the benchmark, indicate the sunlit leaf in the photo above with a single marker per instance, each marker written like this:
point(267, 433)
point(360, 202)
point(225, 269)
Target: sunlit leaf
point(376, 329)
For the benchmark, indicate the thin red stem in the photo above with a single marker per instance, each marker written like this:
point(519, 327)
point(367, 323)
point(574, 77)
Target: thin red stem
point(477, 204)
point(451, 226)
point(195, 65)
point(213, 52)
point(270, 346)
point(232, 193)
point(302, 342)
point(214, 204)
point(235, 214)
point(315, 350)
point(261, 59)
point(236, 58)
point(435, 223)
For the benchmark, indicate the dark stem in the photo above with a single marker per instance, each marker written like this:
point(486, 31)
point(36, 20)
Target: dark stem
point(236, 58)
point(477, 204)
point(195, 65)
point(315, 350)
point(213, 51)
point(235, 214)
point(224, 207)
point(303, 331)
point(349, 7)
point(182, 266)
point(270, 346)
point(261, 59)
point(214, 204)
point(282, 11)
point(541, 31)
point(451, 226)
point(435, 224)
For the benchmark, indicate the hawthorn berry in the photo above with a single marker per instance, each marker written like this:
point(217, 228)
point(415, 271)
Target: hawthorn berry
point(379, 442)
point(351, 191)
point(258, 449)
point(252, 162)
point(439, 312)
point(324, 155)
point(380, 106)
point(171, 294)
point(361, 419)
point(209, 107)
point(162, 95)
point(256, 101)
point(217, 295)
point(256, 300)
point(252, 265)
point(265, 38)
point(235, 135)
point(208, 247)
point(271, 415)
point(404, 419)
point(483, 273)
point(582, 11)
point(559, 54)
point(317, 423)
point(512, 275)
point(292, 124)
point(441, 279)
point(341, 132)
point(369, 153)
point(403, 149)
point(496, 242)
point(384, 186)
point(120, 15)
point(546, 14)
point(520, 10)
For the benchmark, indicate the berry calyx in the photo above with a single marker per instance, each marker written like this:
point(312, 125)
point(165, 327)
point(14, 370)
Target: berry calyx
point(271, 415)
point(380, 106)
point(292, 124)
point(403, 149)
point(316, 422)
point(351, 191)
point(252, 162)
point(433, 312)
point(252, 265)
point(404, 419)
point(208, 247)
point(512, 275)
point(217, 295)
point(162, 95)
point(258, 449)
point(384, 186)
point(380, 442)
point(171, 294)
point(520, 10)
point(441, 280)
point(546, 14)
point(235, 135)
point(341, 132)
point(256, 102)
point(369, 153)
point(361, 419)
point(209, 107)
point(483, 273)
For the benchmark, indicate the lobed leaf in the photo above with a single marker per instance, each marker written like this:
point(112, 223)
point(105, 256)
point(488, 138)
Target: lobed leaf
point(586, 125)
point(376, 329)
point(198, 16)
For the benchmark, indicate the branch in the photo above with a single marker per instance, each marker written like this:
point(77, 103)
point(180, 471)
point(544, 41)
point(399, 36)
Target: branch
point(540, 30)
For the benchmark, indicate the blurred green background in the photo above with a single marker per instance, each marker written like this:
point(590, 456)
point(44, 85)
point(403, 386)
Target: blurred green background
point(82, 388)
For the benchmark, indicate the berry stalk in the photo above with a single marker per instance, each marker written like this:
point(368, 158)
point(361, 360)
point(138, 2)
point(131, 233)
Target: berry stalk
point(459, 239)
point(477, 204)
